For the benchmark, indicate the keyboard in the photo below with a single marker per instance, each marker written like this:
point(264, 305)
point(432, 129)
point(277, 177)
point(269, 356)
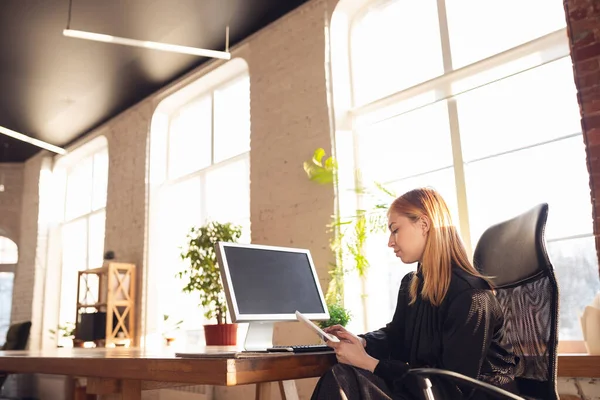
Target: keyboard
point(300, 348)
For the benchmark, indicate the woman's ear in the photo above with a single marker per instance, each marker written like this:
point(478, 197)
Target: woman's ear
point(425, 225)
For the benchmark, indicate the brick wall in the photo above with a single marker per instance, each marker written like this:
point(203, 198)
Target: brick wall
point(126, 192)
point(23, 290)
point(289, 120)
point(126, 211)
point(23, 191)
point(583, 25)
point(10, 200)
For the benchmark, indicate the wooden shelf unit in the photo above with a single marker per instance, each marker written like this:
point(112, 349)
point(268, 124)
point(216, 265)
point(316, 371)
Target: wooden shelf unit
point(109, 289)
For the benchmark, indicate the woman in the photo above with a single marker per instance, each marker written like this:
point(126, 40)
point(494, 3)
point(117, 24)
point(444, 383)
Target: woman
point(446, 317)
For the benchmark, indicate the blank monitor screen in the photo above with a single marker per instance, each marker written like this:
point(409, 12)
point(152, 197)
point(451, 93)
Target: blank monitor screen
point(272, 281)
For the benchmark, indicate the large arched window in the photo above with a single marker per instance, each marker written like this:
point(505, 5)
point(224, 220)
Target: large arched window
point(9, 256)
point(199, 172)
point(9, 253)
point(83, 174)
point(482, 108)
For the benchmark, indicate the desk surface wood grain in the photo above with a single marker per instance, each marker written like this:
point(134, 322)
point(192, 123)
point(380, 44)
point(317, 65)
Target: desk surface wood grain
point(146, 365)
point(164, 366)
point(579, 365)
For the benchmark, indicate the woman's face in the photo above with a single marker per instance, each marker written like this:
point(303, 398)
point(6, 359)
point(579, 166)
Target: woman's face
point(407, 238)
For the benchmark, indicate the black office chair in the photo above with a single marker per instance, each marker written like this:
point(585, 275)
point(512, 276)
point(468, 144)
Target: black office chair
point(16, 339)
point(514, 254)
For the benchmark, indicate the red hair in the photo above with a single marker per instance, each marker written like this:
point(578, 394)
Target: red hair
point(443, 249)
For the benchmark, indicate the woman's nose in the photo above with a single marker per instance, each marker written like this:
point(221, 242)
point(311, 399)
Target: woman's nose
point(391, 241)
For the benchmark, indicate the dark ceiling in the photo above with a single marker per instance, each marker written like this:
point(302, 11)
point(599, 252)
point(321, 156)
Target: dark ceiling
point(57, 88)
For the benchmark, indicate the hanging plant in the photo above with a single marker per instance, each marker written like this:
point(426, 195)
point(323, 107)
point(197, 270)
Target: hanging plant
point(349, 235)
point(320, 171)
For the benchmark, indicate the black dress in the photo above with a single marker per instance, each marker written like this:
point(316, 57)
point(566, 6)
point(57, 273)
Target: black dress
point(464, 334)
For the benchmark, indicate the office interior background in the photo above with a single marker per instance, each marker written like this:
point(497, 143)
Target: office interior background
point(494, 104)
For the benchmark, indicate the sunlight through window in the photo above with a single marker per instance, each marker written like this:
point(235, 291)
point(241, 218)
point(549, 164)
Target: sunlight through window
point(496, 131)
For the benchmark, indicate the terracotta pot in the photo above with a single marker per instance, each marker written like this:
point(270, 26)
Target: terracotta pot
point(221, 334)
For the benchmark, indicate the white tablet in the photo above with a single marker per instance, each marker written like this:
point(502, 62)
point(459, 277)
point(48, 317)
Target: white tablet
point(324, 336)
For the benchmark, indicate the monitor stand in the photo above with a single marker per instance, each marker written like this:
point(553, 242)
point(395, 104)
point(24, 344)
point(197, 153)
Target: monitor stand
point(259, 336)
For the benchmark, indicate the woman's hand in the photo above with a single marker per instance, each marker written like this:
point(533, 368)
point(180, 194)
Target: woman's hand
point(351, 350)
point(335, 329)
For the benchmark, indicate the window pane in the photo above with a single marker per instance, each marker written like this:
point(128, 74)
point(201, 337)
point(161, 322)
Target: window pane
point(386, 269)
point(190, 138)
point(9, 253)
point(229, 188)
point(395, 46)
point(502, 187)
point(528, 108)
point(74, 259)
point(96, 239)
point(6, 290)
point(79, 189)
point(576, 268)
point(100, 180)
point(246, 232)
point(481, 28)
point(180, 207)
point(442, 181)
point(384, 277)
point(232, 119)
point(402, 146)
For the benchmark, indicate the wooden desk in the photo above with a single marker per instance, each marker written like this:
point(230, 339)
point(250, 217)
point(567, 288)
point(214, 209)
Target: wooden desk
point(581, 365)
point(128, 371)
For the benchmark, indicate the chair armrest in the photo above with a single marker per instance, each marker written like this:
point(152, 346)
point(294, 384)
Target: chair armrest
point(491, 389)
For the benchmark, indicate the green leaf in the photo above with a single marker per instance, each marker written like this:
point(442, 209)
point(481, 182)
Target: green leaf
point(318, 156)
point(202, 269)
point(330, 164)
point(349, 235)
point(337, 315)
point(319, 172)
point(384, 190)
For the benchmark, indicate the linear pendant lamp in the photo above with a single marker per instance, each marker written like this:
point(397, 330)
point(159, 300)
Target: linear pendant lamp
point(33, 141)
point(99, 37)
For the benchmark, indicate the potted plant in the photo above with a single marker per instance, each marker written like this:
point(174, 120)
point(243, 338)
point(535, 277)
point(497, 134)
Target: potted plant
point(169, 329)
point(202, 275)
point(66, 331)
point(338, 315)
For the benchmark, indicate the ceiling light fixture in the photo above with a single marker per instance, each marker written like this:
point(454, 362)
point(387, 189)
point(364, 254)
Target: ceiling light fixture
point(33, 141)
point(174, 48)
point(99, 37)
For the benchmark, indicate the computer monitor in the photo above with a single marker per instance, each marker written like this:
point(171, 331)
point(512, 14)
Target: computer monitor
point(265, 284)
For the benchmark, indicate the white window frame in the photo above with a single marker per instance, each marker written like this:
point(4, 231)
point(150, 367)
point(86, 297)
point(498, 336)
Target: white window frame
point(91, 153)
point(160, 179)
point(203, 171)
point(551, 47)
point(350, 115)
point(59, 180)
point(9, 267)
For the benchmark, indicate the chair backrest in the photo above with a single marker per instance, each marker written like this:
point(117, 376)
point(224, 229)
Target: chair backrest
point(513, 253)
point(16, 339)
point(17, 336)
